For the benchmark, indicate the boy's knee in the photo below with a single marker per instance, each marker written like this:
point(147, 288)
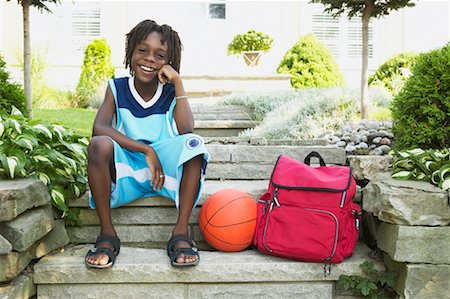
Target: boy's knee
point(100, 148)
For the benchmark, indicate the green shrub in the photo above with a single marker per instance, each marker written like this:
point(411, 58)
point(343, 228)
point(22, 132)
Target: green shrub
point(311, 64)
point(56, 156)
point(307, 114)
point(393, 73)
point(260, 103)
point(11, 94)
point(251, 40)
point(421, 110)
point(97, 68)
point(44, 96)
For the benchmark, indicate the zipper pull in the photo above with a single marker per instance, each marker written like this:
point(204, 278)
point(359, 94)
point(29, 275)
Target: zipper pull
point(357, 219)
point(275, 200)
point(326, 269)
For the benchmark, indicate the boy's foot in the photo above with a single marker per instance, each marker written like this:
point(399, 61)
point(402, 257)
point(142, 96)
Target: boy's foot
point(103, 254)
point(182, 251)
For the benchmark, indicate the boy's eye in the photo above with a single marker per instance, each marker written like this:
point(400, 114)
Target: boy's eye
point(142, 50)
point(160, 56)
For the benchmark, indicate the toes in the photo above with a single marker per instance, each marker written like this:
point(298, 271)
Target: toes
point(188, 258)
point(103, 260)
point(181, 259)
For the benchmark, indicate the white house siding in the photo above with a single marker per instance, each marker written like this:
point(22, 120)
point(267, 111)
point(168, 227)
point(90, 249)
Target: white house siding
point(205, 40)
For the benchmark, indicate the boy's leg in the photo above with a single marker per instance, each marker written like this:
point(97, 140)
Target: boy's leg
point(100, 174)
point(189, 186)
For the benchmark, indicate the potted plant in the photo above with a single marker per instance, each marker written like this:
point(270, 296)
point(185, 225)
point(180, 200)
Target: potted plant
point(251, 45)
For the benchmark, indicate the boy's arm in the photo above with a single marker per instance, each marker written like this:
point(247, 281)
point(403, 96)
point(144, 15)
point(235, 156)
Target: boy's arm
point(182, 111)
point(102, 126)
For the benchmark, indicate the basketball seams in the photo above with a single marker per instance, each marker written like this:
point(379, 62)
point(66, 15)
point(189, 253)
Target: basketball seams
point(228, 243)
point(216, 212)
point(211, 231)
point(234, 224)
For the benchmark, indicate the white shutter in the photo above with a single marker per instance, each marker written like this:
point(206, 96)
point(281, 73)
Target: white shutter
point(326, 29)
point(343, 37)
point(85, 25)
point(354, 38)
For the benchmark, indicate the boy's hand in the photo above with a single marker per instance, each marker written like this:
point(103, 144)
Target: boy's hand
point(156, 170)
point(167, 74)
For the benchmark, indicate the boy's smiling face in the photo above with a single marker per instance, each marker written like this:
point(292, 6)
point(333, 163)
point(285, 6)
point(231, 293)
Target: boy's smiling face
point(149, 56)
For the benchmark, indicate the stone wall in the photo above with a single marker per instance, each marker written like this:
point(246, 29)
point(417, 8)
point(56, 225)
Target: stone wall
point(410, 224)
point(28, 231)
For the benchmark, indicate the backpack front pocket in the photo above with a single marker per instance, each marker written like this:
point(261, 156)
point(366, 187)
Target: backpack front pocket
point(305, 234)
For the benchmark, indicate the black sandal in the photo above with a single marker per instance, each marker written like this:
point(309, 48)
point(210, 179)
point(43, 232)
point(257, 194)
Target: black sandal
point(96, 250)
point(175, 253)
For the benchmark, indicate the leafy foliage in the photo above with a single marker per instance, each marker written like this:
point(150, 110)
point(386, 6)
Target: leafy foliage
point(421, 110)
point(56, 156)
point(301, 114)
point(355, 8)
point(311, 64)
point(251, 40)
point(43, 94)
point(431, 166)
point(374, 284)
point(10, 93)
point(97, 68)
point(393, 73)
point(260, 103)
point(40, 4)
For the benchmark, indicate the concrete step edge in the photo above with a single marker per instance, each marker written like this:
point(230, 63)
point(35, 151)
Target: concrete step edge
point(254, 188)
point(225, 124)
point(140, 265)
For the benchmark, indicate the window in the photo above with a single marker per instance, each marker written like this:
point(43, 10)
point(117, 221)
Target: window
point(217, 10)
point(85, 25)
point(343, 37)
point(69, 29)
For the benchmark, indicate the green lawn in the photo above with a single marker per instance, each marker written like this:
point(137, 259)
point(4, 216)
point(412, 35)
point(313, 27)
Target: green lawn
point(77, 119)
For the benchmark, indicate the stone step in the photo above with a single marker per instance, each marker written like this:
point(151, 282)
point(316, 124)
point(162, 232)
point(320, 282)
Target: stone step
point(222, 128)
point(148, 222)
point(147, 273)
point(220, 112)
point(213, 86)
point(237, 162)
point(254, 188)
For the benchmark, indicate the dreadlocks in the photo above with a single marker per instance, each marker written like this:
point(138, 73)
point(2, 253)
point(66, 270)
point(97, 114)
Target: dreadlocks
point(169, 36)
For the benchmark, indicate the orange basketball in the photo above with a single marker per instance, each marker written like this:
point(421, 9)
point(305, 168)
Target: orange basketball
point(228, 219)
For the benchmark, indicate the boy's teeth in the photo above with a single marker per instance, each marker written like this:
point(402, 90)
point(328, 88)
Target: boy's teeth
point(148, 69)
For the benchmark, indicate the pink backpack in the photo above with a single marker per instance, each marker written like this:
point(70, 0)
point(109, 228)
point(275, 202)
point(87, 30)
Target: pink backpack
point(308, 213)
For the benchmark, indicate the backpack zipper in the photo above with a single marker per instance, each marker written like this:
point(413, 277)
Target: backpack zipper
point(336, 235)
point(274, 201)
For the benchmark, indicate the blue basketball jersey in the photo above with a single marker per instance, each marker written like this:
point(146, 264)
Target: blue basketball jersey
point(151, 123)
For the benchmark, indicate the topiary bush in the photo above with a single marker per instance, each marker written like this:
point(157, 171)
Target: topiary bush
point(421, 110)
point(97, 68)
point(393, 73)
point(311, 64)
point(251, 40)
point(11, 94)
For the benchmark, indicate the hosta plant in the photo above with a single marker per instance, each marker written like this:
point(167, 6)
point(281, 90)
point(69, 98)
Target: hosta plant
point(51, 153)
point(425, 165)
